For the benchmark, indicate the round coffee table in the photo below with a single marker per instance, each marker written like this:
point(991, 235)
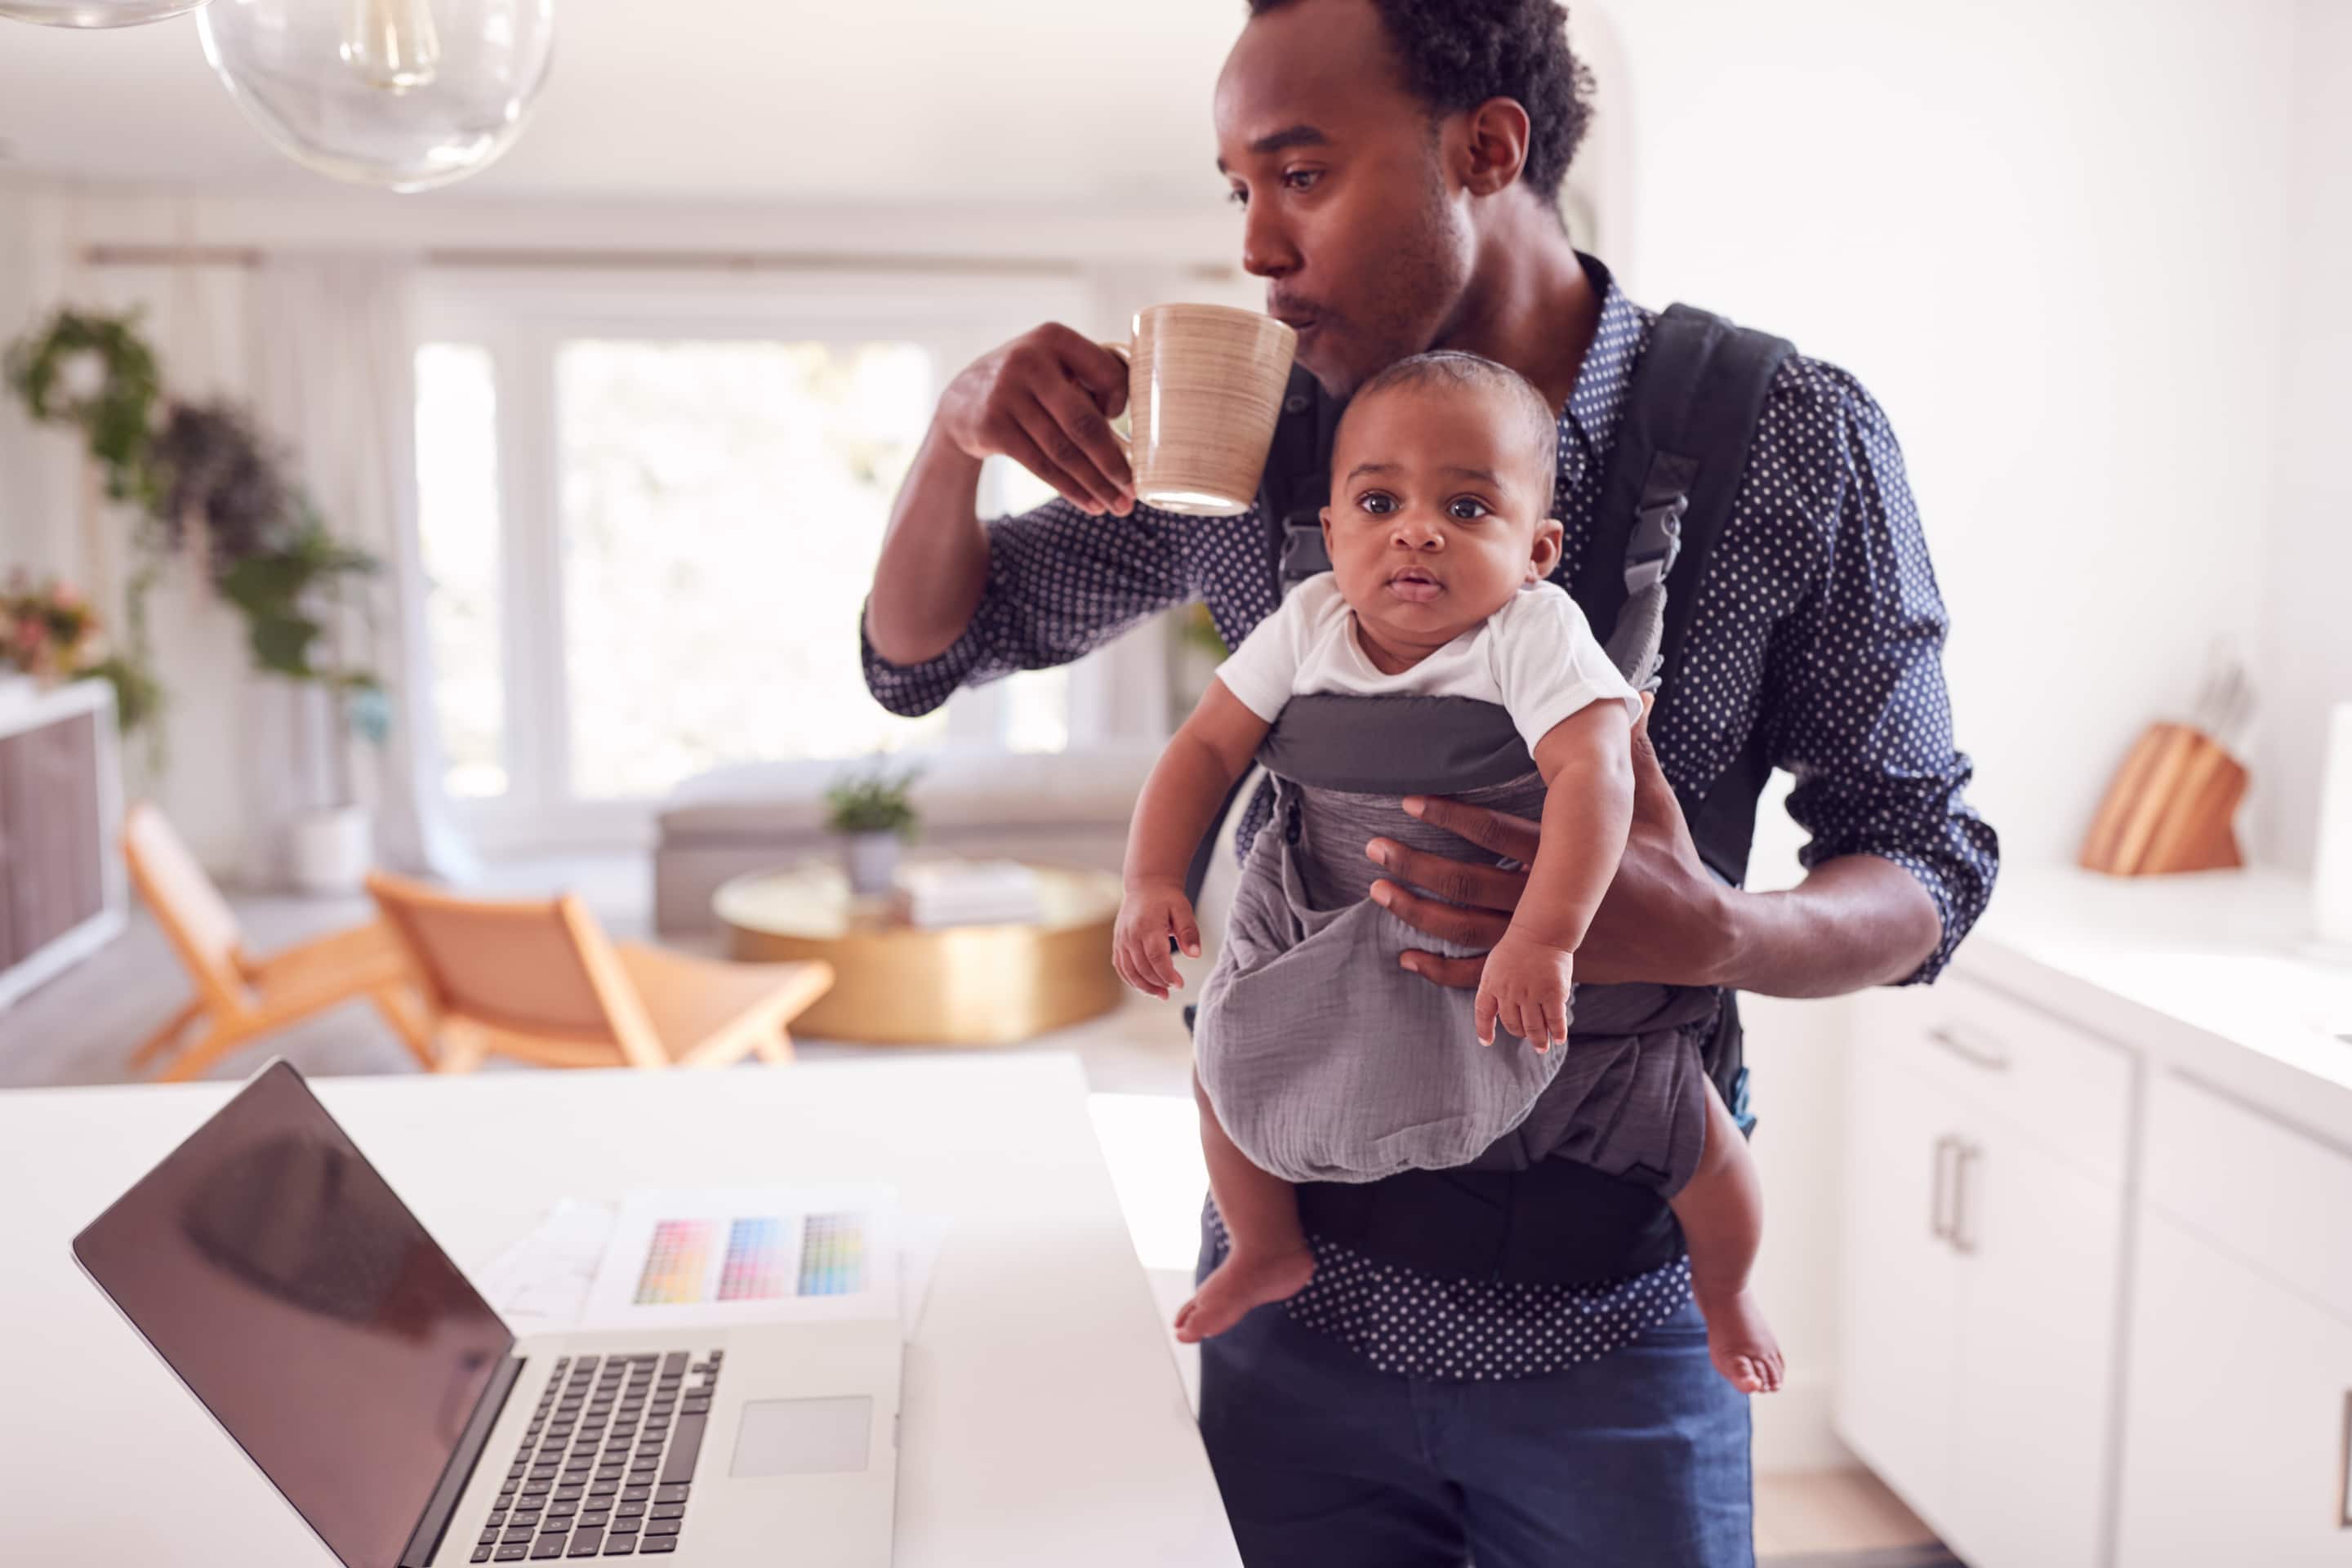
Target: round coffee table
point(895, 983)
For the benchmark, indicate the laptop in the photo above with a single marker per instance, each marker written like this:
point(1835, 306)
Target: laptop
point(285, 1283)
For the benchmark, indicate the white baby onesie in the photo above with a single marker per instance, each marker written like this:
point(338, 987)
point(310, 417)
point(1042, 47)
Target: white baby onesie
point(1535, 657)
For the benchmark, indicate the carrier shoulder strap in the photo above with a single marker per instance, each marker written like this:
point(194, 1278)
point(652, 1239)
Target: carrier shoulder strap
point(1682, 453)
point(1296, 483)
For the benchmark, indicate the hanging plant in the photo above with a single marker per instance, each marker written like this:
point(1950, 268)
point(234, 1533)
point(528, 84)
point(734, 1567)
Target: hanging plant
point(212, 468)
point(95, 373)
point(201, 472)
point(286, 590)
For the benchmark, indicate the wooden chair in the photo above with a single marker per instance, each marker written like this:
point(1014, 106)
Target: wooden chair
point(239, 998)
point(538, 979)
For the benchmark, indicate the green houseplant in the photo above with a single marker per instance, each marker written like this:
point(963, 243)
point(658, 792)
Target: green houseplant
point(874, 814)
point(210, 488)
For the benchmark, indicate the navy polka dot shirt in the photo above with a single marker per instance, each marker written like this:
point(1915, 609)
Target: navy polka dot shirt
point(1818, 619)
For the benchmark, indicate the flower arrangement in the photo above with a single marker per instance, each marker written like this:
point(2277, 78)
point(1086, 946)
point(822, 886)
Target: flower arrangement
point(51, 634)
point(45, 632)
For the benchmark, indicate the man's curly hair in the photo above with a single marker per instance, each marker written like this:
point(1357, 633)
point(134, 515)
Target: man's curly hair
point(1457, 54)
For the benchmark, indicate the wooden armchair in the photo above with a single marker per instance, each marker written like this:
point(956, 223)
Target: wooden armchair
point(239, 998)
point(538, 979)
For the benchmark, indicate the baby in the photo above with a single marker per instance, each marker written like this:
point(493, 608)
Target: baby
point(1442, 550)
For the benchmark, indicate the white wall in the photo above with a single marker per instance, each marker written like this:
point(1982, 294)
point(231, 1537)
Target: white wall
point(2307, 644)
point(2049, 239)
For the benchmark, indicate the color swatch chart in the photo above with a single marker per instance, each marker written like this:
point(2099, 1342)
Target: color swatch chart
point(833, 1255)
point(714, 1255)
point(676, 1262)
point(759, 1266)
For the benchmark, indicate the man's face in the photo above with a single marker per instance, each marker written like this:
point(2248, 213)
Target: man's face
point(1438, 512)
point(1347, 212)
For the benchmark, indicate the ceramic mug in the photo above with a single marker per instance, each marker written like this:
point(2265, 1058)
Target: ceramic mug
point(1204, 391)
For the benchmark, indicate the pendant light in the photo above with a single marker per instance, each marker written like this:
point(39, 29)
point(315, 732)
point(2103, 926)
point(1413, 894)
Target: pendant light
point(94, 13)
point(405, 94)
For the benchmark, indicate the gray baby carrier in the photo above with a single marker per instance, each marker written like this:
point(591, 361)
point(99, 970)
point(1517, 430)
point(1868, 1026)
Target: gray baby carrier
point(1326, 1061)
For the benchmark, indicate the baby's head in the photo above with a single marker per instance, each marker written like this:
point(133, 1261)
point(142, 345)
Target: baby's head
point(1442, 476)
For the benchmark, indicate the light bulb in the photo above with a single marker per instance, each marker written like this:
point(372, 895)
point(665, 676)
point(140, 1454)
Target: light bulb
point(406, 94)
point(94, 13)
point(391, 43)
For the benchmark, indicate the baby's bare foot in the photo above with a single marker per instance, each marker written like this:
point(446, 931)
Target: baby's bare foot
point(1242, 1281)
point(1740, 1342)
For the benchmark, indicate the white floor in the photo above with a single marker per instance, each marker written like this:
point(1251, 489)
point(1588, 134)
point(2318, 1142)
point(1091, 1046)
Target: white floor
point(81, 1027)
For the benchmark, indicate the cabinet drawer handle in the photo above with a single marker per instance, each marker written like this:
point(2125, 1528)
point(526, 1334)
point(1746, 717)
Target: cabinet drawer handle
point(1992, 1058)
point(1937, 1225)
point(1964, 1241)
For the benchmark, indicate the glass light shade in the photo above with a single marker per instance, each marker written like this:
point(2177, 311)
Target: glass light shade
point(406, 94)
point(94, 13)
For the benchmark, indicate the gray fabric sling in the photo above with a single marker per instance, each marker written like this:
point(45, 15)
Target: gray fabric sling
point(1326, 1060)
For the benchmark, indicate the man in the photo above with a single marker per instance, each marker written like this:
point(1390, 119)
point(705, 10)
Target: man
point(1398, 164)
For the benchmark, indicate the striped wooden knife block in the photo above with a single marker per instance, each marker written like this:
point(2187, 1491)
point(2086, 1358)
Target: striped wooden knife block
point(2170, 807)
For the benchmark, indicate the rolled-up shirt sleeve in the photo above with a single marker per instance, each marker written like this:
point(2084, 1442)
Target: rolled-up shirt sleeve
point(1866, 731)
point(1060, 584)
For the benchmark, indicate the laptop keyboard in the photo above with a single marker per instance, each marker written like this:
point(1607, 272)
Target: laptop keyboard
point(608, 1464)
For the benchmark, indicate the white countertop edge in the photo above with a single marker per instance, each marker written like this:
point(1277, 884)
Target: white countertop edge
point(2218, 985)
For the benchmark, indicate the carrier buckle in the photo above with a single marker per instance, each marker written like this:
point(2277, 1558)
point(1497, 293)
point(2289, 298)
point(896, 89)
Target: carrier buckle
point(1657, 539)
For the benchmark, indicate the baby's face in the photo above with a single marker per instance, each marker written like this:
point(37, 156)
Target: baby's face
point(1438, 512)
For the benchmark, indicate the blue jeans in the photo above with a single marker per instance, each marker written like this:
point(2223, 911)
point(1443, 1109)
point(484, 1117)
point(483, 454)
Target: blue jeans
point(1638, 1459)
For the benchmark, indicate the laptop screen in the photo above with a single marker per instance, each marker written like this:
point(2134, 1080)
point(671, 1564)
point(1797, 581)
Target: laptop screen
point(299, 1299)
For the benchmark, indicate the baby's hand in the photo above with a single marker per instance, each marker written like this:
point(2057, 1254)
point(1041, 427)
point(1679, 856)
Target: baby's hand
point(1525, 988)
point(1150, 914)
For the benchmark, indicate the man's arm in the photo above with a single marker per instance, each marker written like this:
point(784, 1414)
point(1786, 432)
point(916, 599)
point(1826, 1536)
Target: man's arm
point(1898, 868)
point(1865, 728)
point(956, 601)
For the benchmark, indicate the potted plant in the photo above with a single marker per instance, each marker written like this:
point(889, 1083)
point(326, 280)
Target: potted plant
point(294, 594)
point(872, 813)
point(222, 495)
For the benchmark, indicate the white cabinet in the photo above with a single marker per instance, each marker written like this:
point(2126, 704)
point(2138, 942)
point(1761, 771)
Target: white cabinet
point(1984, 1255)
point(2039, 1311)
point(1901, 1343)
point(2239, 1407)
point(2239, 1414)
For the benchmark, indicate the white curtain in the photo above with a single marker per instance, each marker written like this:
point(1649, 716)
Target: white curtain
point(38, 472)
point(334, 354)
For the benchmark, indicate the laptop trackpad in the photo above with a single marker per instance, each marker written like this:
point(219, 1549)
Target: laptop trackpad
point(803, 1436)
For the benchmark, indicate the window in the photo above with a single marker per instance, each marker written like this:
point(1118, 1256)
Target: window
point(722, 504)
point(457, 523)
point(649, 520)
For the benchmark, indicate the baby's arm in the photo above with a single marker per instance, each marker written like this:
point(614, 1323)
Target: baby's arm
point(1587, 764)
point(1187, 785)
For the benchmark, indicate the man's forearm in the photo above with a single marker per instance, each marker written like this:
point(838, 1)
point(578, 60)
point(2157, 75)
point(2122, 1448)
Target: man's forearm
point(934, 562)
point(1858, 922)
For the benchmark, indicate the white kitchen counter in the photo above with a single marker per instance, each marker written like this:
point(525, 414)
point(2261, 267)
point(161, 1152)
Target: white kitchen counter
point(2213, 973)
